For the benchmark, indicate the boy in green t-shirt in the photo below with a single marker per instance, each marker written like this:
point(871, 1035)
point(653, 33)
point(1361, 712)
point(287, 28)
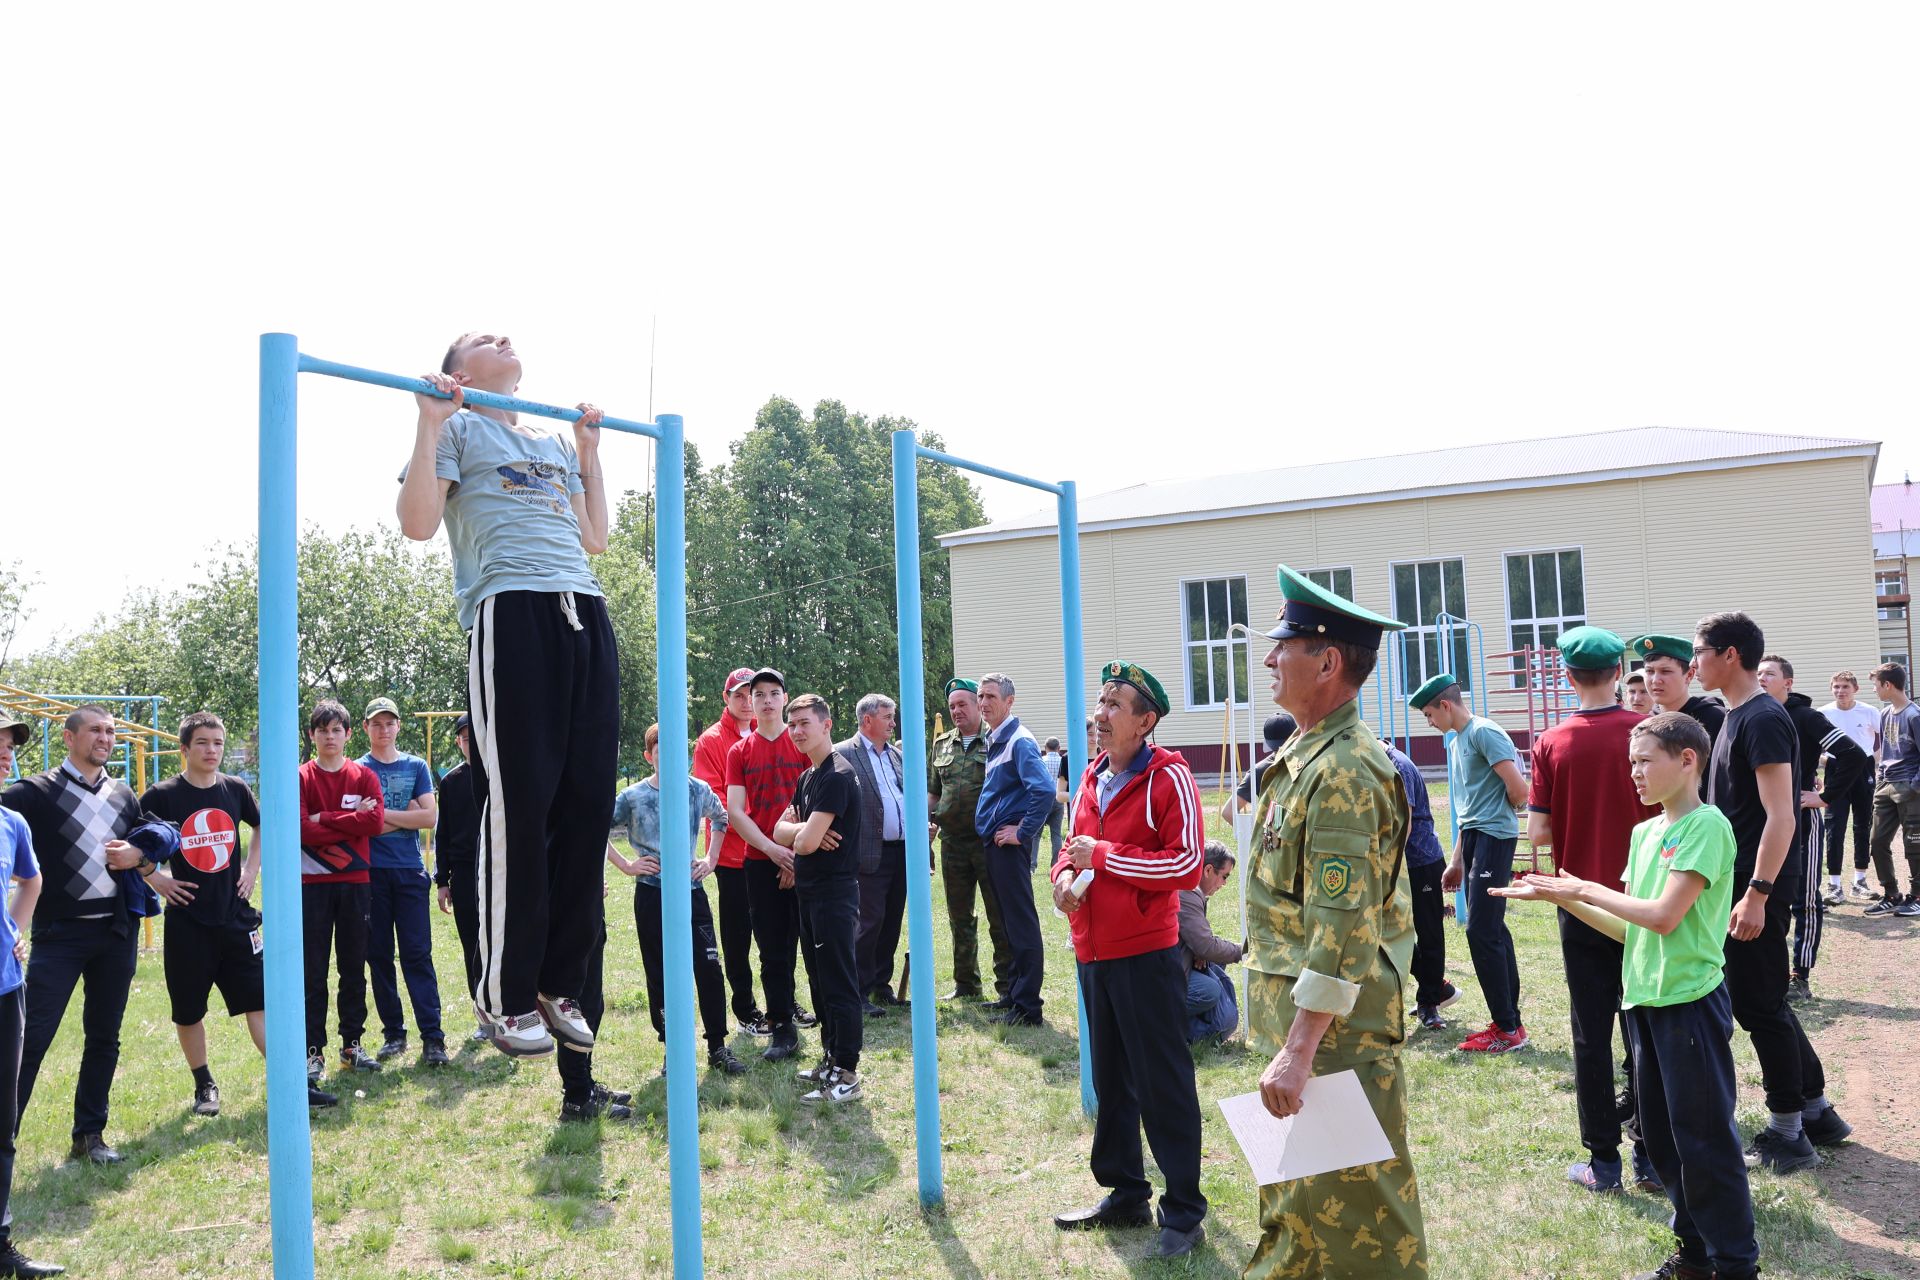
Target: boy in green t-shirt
point(1673, 920)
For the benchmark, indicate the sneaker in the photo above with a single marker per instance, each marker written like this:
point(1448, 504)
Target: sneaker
point(93, 1148)
point(1676, 1267)
point(1494, 1040)
point(1595, 1176)
point(844, 1087)
point(206, 1099)
point(723, 1060)
point(1858, 889)
point(817, 1074)
point(1826, 1129)
point(786, 1043)
point(1885, 907)
point(1015, 1018)
point(320, 1099)
point(566, 1022)
point(316, 1063)
point(1797, 989)
point(522, 1036)
point(757, 1025)
point(1774, 1150)
point(1911, 907)
point(606, 1095)
point(594, 1108)
point(392, 1047)
point(354, 1058)
point(1429, 1017)
point(1451, 998)
point(1833, 896)
point(801, 1018)
point(15, 1263)
point(1645, 1176)
point(434, 1054)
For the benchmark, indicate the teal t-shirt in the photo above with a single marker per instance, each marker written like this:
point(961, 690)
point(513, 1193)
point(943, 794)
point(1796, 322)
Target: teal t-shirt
point(1684, 965)
point(509, 513)
point(1478, 795)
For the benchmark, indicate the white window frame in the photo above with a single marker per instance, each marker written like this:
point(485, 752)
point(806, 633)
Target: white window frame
point(1890, 612)
point(1330, 570)
point(1230, 643)
point(1414, 632)
point(1560, 621)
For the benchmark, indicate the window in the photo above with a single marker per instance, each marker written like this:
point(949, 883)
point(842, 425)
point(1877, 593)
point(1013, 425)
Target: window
point(1422, 591)
point(1900, 658)
point(1890, 582)
point(1338, 581)
point(1211, 606)
point(1546, 596)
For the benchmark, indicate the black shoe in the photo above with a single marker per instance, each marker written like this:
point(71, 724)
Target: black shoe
point(15, 1263)
point(206, 1099)
point(1798, 990)
point(434, 1054)
point(884, 996)
point(997, 1006)
point(801, 1018)
point(594, 1108)
point(757, 1025)
point(1623, 1107)
point(93, 1148)
point(1015, 1018)
point(1105, 1214)
point(786, 1043)
point(1178, 1244)
point(354, 1058)
point(392, 1047)
point(723, 1059)
point(1429, 1017)
point(1776, 1151)
point(872, 1010)
point(1676, 1267)
point(958, 994)
point(1645, 1176)
point(320, 1099)
point(1826, 1129)
point(604, 1095)
point(1885, 909)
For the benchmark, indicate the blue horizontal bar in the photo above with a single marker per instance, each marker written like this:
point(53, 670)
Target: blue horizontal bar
point(483, 399)
point(985, 470)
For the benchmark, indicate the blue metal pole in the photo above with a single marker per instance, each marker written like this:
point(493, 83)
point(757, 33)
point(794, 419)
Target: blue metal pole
point(289, 1143)
point(1073, 650)
point(934, 455)
point(913, 763)
point(676, 850)
point(482, 399)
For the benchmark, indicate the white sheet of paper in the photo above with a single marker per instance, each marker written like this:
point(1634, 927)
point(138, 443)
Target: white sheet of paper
point(1335, 1128)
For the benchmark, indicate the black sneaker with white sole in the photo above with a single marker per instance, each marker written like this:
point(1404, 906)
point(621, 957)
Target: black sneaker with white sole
point(594, 1108)
point(757, 1025)
point(801, 1018)
point(1772, 1149)
point(1886, 908)
point(206, 1099)
point(1910, 907)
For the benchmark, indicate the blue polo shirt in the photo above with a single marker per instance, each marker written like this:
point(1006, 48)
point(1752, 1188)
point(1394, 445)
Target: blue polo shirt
point(16, 859)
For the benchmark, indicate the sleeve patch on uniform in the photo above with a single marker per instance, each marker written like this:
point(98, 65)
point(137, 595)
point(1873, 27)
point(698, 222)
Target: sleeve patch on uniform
point(1336, 877)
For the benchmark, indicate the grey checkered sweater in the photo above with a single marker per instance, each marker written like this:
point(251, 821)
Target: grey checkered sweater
point(71, 824)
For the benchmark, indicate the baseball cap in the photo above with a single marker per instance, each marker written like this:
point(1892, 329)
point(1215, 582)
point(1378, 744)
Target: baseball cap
point(737, 677)
point(21, 730)
point(378, 705)
point(767, 673)
point(463, 721)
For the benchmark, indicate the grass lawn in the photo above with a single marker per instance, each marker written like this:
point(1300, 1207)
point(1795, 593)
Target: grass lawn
point(465, 1172)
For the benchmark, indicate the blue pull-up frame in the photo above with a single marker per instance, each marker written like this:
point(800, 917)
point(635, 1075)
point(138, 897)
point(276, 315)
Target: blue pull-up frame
point(289, 1141)
point(907, 451)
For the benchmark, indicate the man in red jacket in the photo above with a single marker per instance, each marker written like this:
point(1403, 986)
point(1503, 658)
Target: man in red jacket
point(1138, 827)
point(736, 919)
point(340, 810)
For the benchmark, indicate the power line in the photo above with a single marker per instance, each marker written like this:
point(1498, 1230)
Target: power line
point(838, 577)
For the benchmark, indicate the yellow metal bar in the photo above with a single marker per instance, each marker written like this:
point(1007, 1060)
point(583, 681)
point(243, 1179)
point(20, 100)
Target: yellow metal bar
point(41, 707)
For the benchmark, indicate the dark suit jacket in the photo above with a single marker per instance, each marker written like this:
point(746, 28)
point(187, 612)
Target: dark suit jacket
point(872, 797)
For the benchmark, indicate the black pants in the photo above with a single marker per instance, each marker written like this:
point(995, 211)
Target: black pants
point(101, 954)
point(13, 1031)
point(1856, 808)
point(1429, 932)
point(1683, 1074)
point(708, 984)
point(1010, 871)
point(334, 918)
point(736, 939)
point(543, 680)
point(1756, 973)
point(776, 931)
point(576, 1069)
point(463, 895)
point(1800, 879)
point(401, 919)
point(1489, 865)
point(1143, 1074)
point(829, 924)
point(883, 901)
point(1593, 962)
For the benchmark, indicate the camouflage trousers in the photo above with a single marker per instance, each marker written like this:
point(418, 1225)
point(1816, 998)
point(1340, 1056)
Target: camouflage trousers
point(963, 868)
point(1354, 1222)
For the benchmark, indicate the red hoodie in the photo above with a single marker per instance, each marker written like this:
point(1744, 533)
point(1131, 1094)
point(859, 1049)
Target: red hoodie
point(334, 833)
point(1150, 843)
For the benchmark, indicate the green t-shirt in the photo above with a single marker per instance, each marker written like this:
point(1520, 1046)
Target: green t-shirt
point(1685, 964)
point(1478, 794)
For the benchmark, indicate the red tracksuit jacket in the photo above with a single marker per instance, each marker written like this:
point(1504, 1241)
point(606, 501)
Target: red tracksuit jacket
point(1150, 843)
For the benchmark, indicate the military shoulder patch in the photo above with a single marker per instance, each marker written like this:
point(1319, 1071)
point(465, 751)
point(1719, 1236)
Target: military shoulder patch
point(1336, 877)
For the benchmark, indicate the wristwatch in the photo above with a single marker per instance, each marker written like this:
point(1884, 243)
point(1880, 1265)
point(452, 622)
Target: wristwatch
point(1764, 886)
point(146, 867)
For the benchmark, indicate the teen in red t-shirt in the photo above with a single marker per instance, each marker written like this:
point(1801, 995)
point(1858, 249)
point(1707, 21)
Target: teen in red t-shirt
point(736, 916)
point(340, 811)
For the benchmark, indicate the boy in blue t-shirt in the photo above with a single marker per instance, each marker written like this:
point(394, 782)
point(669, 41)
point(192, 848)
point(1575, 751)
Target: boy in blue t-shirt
point(401, 892)
point(1673, 922)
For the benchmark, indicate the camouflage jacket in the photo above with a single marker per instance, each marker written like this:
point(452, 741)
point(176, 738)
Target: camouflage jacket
point(955, 775)
point(1328, 903)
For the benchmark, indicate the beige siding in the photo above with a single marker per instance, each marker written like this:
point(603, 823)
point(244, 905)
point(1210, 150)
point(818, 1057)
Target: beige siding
point(1788, 542)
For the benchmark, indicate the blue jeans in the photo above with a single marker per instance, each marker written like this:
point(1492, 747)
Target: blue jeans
point(400, 914)
point(1212, 1009)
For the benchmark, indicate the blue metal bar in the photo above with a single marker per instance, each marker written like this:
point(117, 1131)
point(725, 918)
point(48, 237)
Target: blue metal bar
point(676, 849)
point(913, 763)
point(289, 1143)
point(481, 399)
point(1073, 651)
point(964, 464)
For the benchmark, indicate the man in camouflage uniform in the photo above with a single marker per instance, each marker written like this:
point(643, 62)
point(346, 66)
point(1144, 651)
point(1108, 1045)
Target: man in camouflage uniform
point(1330, 940)
point(956, 769)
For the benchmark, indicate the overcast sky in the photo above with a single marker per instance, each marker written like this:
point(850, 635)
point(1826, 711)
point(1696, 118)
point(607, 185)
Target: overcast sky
point(1112, 243)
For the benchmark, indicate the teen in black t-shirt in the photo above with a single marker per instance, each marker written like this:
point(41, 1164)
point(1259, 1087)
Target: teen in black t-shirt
point(830, 786)
point(1757, 732)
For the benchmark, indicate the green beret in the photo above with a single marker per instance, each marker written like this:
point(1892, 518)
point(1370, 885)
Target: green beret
point(1432, 689)
point(1591, 649)
point(1128, 673)
point(1653, 646)
point(1314, 611)
point(971, 686)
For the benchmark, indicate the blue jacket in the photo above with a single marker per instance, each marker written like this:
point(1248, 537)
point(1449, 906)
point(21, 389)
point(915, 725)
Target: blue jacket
point(1423, 843)
point(1018, 788)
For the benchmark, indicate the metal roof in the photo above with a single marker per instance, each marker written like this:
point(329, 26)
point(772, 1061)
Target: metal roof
point(1896, 519)
point(1485, 468)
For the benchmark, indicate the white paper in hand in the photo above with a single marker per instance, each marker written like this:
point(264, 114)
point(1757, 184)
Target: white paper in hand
point(1335, 1128)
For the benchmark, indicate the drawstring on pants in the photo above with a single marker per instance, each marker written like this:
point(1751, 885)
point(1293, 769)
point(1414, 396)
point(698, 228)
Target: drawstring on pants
point(568, 607)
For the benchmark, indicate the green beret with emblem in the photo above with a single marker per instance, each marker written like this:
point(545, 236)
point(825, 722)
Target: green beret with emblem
point(1120, 671)
point(1432, 689)
point(971, 686)
point(1314, 611)
point(1655, 646)
point(1591, 648)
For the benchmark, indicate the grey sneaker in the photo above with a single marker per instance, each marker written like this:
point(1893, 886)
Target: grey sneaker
point(316, 1063)
point(354, 1058)
point(1885, 908)
point(1798, 992)
point(1911, 907)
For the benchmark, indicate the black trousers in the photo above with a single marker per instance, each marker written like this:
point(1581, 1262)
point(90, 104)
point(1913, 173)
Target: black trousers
point(1756, 974)
point(463, 895)
point(13, 1031)
point(736, 939)
point(1010, 872)
point(101, 954)
point(576, 1069)
point(1593, 962)
point(1803, 888)
point(776, 931)
point(334, 919)
point(1489, 865)
point(1143, 1074)
point(829, 924)
point(1429, 932)
point(883, 902)
point(708, 984)
point(543, 682)
point(1683, 1074)
point(1857, 808)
